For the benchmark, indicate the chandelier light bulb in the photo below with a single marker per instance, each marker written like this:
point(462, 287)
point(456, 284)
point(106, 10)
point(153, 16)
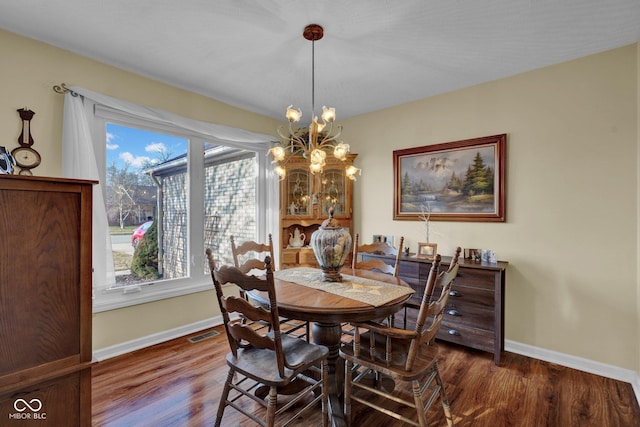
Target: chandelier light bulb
point(340, 151)
point(328, 114)
point(278, 153)
point(315, 127)
point(280, 171)
point(318, 156)
point(293, 115)
point(351, 172)
point(316, 167)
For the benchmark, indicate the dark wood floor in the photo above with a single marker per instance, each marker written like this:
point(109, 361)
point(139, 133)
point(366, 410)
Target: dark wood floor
point(178, 383)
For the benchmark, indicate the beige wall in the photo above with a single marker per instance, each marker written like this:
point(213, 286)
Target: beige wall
point(571, 235)
point(28, 72)
point(638, 205)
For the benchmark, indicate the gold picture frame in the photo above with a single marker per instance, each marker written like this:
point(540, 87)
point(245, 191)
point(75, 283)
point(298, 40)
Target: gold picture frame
point(427, 250)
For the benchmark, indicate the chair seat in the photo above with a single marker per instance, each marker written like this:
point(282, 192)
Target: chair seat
point(259, 363)
point(424, 361)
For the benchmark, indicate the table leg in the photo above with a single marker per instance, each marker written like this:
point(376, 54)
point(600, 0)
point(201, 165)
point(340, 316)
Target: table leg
point(329, 335)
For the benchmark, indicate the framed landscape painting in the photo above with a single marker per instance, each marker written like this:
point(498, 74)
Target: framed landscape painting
point(453, 181)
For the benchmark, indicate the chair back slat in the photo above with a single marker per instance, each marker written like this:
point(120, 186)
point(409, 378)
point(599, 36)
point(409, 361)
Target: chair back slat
point(250, 255)
point(243, 333)
point(240, 305)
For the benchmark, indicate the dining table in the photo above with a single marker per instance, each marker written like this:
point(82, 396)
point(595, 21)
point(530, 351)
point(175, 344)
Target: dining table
point(362, 295)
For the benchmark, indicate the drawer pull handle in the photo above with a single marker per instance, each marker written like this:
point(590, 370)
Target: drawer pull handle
point(453, 313)
point(453, 332)
point(454, 294)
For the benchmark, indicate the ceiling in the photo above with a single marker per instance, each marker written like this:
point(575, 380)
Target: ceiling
point(374, 54)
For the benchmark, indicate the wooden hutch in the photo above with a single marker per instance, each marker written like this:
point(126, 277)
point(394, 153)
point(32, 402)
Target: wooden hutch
point(45, 301)
point(305, 200)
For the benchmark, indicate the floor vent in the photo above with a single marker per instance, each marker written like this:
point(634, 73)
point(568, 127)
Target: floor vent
point(203, 337)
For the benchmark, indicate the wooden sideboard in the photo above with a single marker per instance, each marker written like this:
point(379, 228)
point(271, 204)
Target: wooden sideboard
point(45, 301)
point(474, 316)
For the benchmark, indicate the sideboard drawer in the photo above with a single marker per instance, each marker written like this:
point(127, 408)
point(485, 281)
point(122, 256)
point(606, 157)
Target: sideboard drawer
point(454, 332)
point(483, 279)
point(471, 315)
point(465, 295)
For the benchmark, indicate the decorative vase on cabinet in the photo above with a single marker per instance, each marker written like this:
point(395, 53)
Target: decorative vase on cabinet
point(305, 201)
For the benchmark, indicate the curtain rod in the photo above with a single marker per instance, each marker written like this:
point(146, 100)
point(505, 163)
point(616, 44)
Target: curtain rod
point(62, 89)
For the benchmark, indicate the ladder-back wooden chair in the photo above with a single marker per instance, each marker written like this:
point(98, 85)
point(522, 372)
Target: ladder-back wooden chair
point(269, 359)
point(411, 308)
point(379, 248)
point(249, 258)
point(408, 356)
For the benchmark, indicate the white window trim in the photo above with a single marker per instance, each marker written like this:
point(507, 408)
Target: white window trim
point(97, 114)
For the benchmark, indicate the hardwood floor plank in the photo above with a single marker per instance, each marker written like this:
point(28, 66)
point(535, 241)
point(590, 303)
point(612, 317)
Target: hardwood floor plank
point(178, 383)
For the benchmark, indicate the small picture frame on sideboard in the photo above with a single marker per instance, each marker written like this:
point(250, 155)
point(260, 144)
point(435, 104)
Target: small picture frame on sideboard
point(383, 239)
point(472, 254)
point(427, 250)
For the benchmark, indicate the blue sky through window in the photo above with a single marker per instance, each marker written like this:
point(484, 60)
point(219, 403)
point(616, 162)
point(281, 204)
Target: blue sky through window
point(139, 146)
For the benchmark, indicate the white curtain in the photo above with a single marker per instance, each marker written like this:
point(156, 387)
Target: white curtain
point(82, 152)
point(79, 161)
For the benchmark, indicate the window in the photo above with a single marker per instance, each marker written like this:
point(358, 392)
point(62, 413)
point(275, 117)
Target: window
point(199, 183)
point(145, 187)
point(153, 174)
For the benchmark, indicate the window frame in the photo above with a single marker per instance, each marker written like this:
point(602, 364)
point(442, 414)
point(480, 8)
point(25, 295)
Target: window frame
point(197, 279)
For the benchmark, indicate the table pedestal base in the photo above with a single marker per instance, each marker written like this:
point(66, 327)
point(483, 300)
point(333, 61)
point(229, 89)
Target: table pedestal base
point(329, 335)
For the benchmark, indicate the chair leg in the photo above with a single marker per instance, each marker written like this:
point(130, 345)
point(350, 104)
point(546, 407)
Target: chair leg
point(417, 399)
point(325, 393)
point(271, 406)
point(224, 398)
point(347, 391)
point(443, 399)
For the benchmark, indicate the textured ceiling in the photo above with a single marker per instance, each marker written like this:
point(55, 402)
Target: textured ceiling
point(374, 54)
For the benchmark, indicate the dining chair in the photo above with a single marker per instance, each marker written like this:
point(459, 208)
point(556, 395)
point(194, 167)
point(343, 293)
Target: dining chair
point(406, 356)
point(278, 362)
point(379, 248)
point(412, 307)
point(249, 257)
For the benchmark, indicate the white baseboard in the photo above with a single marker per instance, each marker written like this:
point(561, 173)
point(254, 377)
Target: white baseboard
point(149, 340)
point(579, 363)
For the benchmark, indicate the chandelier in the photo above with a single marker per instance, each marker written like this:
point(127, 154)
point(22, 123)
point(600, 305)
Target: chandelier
point(315, 142)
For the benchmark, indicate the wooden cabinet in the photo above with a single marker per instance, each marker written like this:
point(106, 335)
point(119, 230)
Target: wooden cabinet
point(45, 301)
point(305, 200)
point(474, 316)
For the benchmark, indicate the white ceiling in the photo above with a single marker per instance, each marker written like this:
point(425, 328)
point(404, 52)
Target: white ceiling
point(374, 54)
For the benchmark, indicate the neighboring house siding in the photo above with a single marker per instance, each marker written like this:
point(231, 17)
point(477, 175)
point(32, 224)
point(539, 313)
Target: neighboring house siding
point(230, 199)
point(230, 209)
point(174, 226)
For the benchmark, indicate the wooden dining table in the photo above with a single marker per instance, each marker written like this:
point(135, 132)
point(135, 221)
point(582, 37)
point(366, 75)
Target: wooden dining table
point(327, 312)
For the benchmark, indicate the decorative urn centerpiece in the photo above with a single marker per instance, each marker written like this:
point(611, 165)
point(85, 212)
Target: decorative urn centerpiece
point(331, 244)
